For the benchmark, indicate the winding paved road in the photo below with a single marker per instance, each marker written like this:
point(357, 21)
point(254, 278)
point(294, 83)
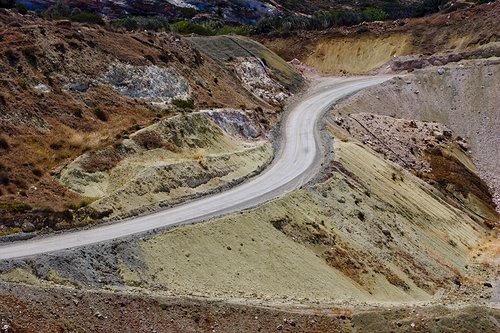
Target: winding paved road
point(295, 163)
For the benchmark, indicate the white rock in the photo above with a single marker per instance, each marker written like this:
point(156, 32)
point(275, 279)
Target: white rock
point(42, 88)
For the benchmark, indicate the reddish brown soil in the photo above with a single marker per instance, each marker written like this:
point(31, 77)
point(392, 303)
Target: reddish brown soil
point(67, 310)
point(40, 132)
point(32, 309)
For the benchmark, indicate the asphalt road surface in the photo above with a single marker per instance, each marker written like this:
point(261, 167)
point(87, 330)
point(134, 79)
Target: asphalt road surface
point(295, 163)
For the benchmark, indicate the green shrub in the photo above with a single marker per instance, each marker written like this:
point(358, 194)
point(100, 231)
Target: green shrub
point(320, 20)
point(100, 114)
point(183, 103)
point(131, 23)
point(10, 231)
point(375, 14)
point(24, 83)
point(16, 207)
point(429, 7)
point(82, 203)
point(188, 27)
point(241, 30)
point(160, 23)
point(127, 23)
point(58, 11)
point(4, 144)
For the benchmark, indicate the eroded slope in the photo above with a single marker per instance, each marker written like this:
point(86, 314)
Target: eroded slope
point(366, 231)
point(464, 98)
point(69, 90)
point(170, 162)
point(395, 45)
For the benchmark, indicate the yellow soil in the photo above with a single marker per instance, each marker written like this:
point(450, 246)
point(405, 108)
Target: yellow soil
point(357, 55)
point(247, 255)
point(19, 275)
point(243, 256)
point(149, 177)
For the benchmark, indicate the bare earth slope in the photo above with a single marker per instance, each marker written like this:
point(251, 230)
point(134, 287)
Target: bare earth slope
point(294, 165)
point(366, 233)
point(69, 89)
point(463, 97)
point(395, 230)
point(396, 45)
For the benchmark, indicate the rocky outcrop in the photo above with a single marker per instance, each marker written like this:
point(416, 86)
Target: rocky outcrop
point(150, 83)
point(256, 77)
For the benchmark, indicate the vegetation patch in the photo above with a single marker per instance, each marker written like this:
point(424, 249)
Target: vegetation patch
point(183, 103)
point(87, 17)
point(101, 161)
point(62, 11)
point(149, 140)
point(80, 204)
point(100, 114)
point(10, 231)
point(15, 207)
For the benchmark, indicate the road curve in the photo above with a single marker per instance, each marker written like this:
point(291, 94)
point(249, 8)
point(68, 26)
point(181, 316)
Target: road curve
point(294, 165)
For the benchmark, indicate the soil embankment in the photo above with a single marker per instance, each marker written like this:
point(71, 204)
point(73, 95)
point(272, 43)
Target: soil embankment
point(398, 45)
point(464, 98)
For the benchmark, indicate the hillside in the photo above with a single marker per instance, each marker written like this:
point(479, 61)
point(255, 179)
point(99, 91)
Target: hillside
point(247, 11)
point(460, 97)
point(394, 227)
point(80, 101)
point(395, 45)
point(366, 245)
